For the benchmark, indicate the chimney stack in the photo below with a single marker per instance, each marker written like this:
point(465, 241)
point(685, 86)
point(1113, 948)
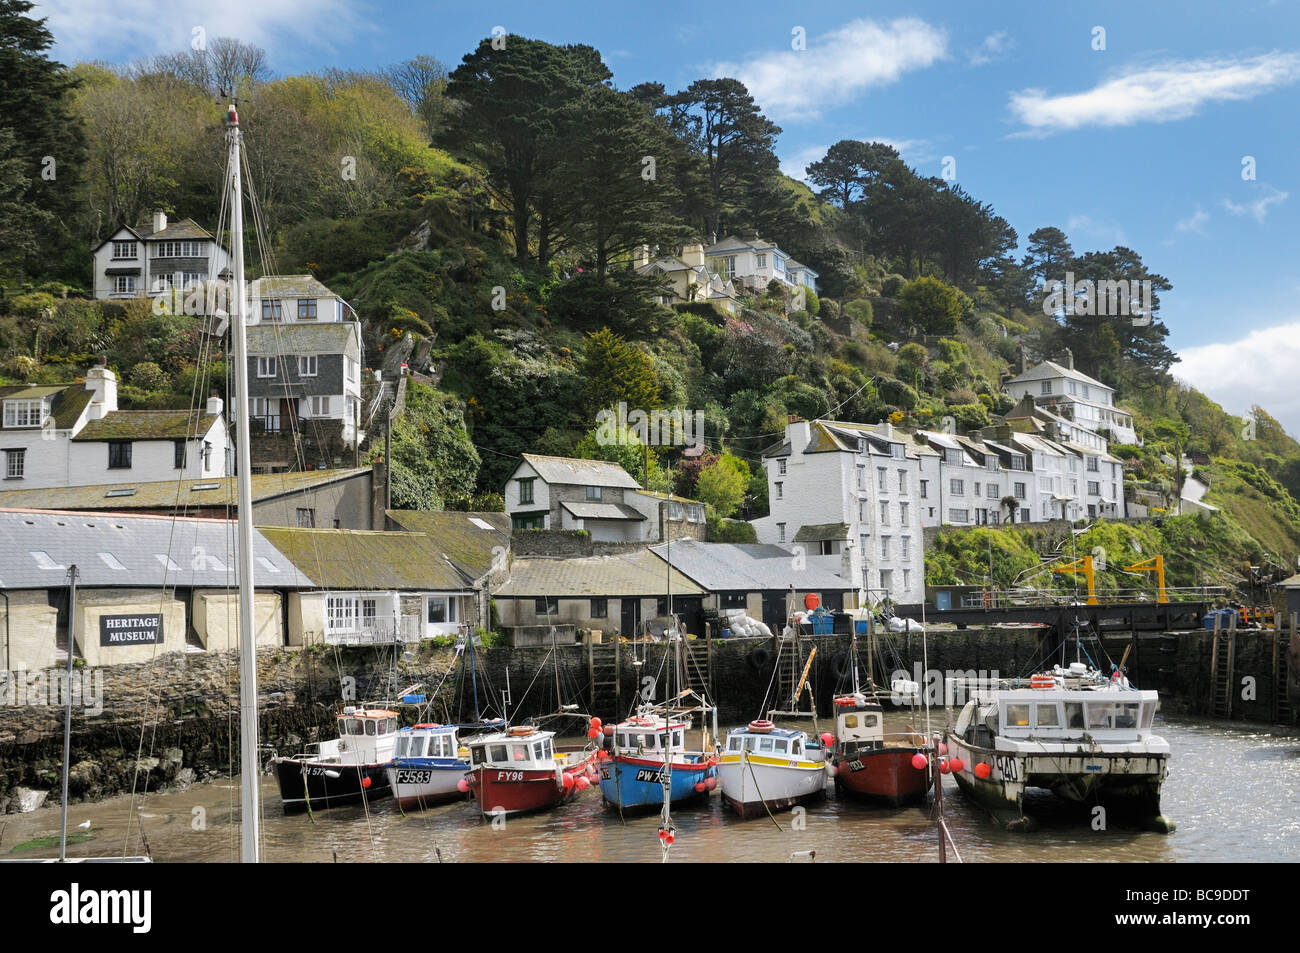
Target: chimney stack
point(215, 405)
point(159, 220)
point(102, 384)
point(693, 255)
point(1069, 359)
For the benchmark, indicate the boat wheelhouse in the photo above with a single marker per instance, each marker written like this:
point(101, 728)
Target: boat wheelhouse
point(647, 747)
point(867, 763)
point(521, 769)
point(765, 768)
point(1078, 734)
point(344, 769)
point(427, 765)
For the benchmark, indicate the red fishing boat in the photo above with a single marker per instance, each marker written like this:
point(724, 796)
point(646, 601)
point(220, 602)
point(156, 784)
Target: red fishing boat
point(868, 766)
point(520, 770)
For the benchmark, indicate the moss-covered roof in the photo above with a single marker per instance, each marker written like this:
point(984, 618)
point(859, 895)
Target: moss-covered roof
point(326, 337)
point(290, 286)
point(185, 230)
point(147, 425)
point(363, 559)
point(639, 573)
point(467, 544)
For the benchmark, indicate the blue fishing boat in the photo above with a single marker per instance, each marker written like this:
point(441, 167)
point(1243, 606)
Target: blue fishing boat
point(427, 767)
point(647, 751)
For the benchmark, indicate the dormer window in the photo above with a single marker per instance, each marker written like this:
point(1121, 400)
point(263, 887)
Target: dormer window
point(25, 413)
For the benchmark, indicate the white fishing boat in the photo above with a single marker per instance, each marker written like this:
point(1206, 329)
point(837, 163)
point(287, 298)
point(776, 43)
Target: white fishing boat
point(764, 769)
point(427, 766)
point(1085, 737)
point(342, 770)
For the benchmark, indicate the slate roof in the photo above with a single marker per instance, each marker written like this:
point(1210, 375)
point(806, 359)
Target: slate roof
point(468, 545)
point(289, 286)
point(819, 531)
point(638, 573)
point(40, 546)
point(749, 567)
point(169, 494)
point(185, 230)
point(1049, 369)
point(324, 337)
point(365, 559)
point(575, 472)
point(147, 425)
point(601, 511)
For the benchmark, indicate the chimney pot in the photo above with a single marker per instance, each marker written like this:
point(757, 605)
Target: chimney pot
point(159, 220)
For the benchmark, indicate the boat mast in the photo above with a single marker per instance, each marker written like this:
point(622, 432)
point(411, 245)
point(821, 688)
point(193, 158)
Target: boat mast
point(250, 800)
point(67, 709)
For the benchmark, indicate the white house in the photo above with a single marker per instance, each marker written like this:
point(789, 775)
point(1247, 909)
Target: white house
point(1086, 402)
point(565, 493)
point(755, 263)
point(74, 435)
point(850, 494)
point(156, 256)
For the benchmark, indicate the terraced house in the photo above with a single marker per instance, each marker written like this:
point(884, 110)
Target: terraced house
point(304, 375)
point(66, 435)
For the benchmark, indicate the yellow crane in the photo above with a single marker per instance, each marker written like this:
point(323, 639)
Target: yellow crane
point(1081, 567)
point(1155, 564)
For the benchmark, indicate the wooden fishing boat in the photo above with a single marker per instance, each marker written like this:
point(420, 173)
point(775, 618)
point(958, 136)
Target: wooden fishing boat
point(869, 766)
point(343, 770)
point(521, 770)
point(647, 750)
point(764, 768)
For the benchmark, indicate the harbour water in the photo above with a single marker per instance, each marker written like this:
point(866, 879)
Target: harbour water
point(1232, 790)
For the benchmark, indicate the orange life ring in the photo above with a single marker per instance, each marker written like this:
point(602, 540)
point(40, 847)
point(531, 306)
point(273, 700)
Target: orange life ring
point(520, 730)
point(639, 721)
point(761, 726)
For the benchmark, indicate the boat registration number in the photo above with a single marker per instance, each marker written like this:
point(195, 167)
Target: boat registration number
point(510, 775)
point(1008, 767)
point(649, 774)
point(409, 776)
point(856, 765)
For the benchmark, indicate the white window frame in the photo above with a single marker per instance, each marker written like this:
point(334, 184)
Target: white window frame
point(308, 365)
point(24, 413)
point(118, 247)
point(266, 367)
point(15, 463)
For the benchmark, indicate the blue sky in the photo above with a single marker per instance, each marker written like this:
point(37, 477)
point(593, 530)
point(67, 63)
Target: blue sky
point(1140, 143)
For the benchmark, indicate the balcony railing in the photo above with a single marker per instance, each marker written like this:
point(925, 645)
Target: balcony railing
point(378, 632)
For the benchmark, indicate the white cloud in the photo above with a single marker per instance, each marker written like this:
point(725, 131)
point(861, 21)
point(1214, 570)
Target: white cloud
point(1084, 224)
point(914, 150)
point(994, 45)
point(1161, 93)
point(795, 165)
point(1259, 369)
point(838, 66)
point(134, 28)
point(1258, 209)
point(1194, 223)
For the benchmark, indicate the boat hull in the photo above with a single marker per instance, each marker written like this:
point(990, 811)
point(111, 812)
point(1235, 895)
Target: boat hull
point(307, 785)
point(755, 785)
point(1126, 783)
point(637, 783)
point(882, 776)
point(421, 782)
point(501, 791)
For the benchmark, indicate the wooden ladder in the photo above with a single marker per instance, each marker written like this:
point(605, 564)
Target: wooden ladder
point(1221, 664)
point(697, 660)
point(1281, 668)
point(788, 677)
point(602, 671)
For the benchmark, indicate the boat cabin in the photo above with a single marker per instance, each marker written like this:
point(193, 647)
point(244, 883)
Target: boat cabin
point(1061, 714)
point(763, 738)
point(859, 724)
point(425, 741)
point(368, 732)
point(525, 749)
point(642, 736)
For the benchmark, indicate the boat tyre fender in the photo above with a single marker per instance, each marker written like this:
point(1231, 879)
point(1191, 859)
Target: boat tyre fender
point(760, 658)
point(841, 665)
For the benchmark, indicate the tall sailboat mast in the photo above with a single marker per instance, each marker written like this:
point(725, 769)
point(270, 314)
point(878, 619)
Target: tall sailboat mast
point(250, 800)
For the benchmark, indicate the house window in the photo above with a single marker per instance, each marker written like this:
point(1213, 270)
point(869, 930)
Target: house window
point(779, 492)
point(442, 609)
point(179, 455)
point(178, 250)
point(887, 579)
point(780, 467)
point(826, 547)
point(369, 613)
point(761, 260)
point(320, 406)
point(1092, 464)
point(862, 478)
point(544, 606)
point(600, 608)
point(306, 365)
point(526, 490)
point(341, 613)
point(991, 490)
point(595, 493)
point(925, 485)
point(902, 514)
point(307, 309)
point(124, 285)
point(123, 249)
point(958, 487)
point(15, 464)
point(733, 600)
point(266, 366)
point(24, 413)
point(1094, 489)
point(907, 547)
point(306, 517)
point(1019, 491)
point(1046, 388)
point(272, 309)
point(884, 513)
point(349, 370)
point(119, 455)
point(1025, 514)
point(958, 516)
point(1017, 463)
point(207, 455)
point(884, 547)
point(881, 479)
point(902, 481)
point(991, 462)
point(780, 530)
point(907, 579)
